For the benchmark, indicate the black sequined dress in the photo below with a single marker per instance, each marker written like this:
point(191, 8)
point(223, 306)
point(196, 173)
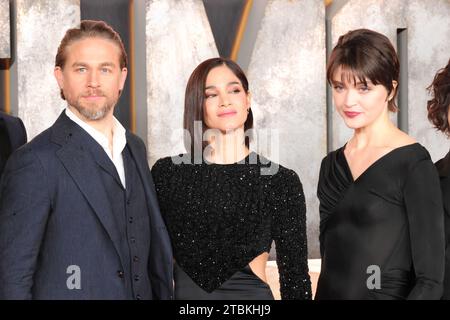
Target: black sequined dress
point(220, 217)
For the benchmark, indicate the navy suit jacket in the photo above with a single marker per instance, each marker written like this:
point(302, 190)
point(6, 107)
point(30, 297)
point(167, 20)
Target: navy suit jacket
point(12, 136)
point(54, 213)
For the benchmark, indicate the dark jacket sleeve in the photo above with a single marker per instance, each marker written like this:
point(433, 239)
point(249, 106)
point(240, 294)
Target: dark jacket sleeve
point(423, 201)
point(24, 210)
point(289, 232)
point(23, 134)
point(160, 260)
point(17, 132)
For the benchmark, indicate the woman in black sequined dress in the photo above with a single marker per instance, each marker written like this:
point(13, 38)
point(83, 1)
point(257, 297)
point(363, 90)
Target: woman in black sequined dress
point(224, 205)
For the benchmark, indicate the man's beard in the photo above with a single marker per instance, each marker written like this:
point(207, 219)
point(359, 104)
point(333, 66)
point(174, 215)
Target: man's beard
point(92, 111)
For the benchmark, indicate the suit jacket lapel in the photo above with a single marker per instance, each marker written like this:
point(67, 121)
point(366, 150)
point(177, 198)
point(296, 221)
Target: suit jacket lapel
point(140, 158)
point(106, 164)
point(84, 171)
point(142, 166)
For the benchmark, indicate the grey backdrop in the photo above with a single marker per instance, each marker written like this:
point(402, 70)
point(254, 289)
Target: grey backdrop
point(283, 50)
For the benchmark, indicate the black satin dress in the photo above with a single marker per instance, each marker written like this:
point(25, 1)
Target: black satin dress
point(381, 235)
point(443, 167)
point(243, 285)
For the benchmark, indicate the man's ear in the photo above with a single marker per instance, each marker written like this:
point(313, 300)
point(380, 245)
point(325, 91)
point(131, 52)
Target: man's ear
point(57, 72)
point(123, 77)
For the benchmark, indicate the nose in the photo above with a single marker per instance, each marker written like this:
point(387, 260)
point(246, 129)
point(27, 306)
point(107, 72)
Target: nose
point(93, 79)
point(351, 98)
point(223, 101)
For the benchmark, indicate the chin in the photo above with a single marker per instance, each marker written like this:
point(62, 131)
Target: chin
point(224, 130)
point(229, 126)
point(354, 124)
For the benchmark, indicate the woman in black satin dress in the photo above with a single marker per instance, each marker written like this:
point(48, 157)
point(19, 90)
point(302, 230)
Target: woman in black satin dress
point(381, 217)
point(438, 113)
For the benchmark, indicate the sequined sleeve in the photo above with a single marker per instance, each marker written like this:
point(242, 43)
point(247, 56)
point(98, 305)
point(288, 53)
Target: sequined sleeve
point(289, 233)
point(160, 172)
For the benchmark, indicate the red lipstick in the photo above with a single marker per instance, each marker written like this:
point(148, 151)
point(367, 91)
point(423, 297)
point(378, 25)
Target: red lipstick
point(351, 114)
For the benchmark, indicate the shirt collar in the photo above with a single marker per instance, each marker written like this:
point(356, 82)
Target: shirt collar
point(119, 135)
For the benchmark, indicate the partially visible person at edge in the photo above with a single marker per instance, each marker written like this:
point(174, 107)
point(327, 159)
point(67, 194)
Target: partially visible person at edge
point(12, 136)
point(223, 211)
point(79, 217)
point(381, 216)
point(438, 114)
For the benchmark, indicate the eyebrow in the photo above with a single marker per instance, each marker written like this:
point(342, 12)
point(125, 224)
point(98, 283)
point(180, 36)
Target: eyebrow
point(357, 83)
point(107, 64)
point(84, 64)
point(228, 84)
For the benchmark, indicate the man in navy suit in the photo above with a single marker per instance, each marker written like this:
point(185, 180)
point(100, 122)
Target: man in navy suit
point(79, 217)
point(12, 136)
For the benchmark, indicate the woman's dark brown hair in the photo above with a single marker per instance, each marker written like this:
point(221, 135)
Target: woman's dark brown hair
point(195, 98)
point(364, 54)
point(438, 106)
point(89, 29)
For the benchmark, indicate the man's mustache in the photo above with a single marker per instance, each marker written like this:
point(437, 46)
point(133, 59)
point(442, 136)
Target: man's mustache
point(93, 93)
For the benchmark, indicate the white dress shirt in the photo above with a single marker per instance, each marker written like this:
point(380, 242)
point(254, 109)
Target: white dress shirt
point(119, 142)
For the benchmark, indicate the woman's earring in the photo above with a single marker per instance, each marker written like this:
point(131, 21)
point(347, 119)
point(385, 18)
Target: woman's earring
point(248, 110)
